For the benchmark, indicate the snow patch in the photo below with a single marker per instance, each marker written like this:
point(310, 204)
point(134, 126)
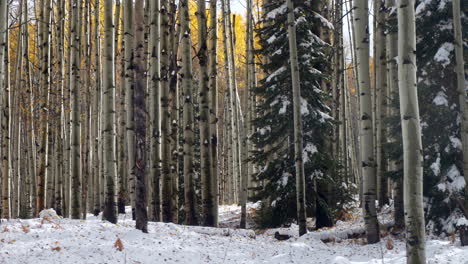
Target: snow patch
point(443, 54)
point(440, 99)
point(48, 213)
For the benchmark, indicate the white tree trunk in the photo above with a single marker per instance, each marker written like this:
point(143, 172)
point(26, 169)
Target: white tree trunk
point(5, 108)
point(298, 148)
point(109, 129)
point(361, 11)
point(188, 118)
point(412, 144)
point(75, 60)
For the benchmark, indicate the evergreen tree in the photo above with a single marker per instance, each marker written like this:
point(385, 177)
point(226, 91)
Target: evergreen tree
point(439, 108)
point(273, 138)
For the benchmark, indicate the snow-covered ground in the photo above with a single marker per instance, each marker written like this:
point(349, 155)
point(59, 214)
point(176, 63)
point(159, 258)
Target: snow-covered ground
point(58, 240)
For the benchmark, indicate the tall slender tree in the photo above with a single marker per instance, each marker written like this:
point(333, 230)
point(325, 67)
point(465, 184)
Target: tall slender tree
point(209, 219)
point(75, 59)
point(298, 148)
point(213, 89)
point(392, 80)
point(154, 109)
point(109, 129)
point(360, 21)
point(129, 97)
point(5, 111)
point(166, 185)
point(411, 127)
point(141, 213)
point(461, 88)
point(186, 76)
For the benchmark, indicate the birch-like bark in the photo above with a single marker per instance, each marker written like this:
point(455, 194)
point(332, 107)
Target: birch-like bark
point(129, 98)
point(141, 213)
point(392, 80)
point(44, 40)
point(461, 88)
point(109, 129)
point(191, 216)
point(174, 108)
point(166, 185)
point(246, 99)
point(155, 108)
point(213, 88)
point(97, 112)
point(235, 103)
point(360, 22)
point(75, 60)
point(231, 168)
point(5, 98)
point(296, 86)
point(411, 126)
point(381, 96)
point(86, 106)
point(209, 219)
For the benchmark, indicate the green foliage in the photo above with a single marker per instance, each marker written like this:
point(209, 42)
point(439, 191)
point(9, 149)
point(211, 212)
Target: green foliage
point(273, 139)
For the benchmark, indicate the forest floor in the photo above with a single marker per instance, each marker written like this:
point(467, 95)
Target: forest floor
point(55, 240)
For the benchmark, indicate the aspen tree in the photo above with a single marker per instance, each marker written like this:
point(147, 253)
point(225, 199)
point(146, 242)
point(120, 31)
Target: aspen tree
point(97, 111)
point(5, 111)
point(245, 143)
point(44, 40)
point(392, 77)
point(141, 213)
point(174, 108)
point(75, 60)
point(411, 127)
point(296, 84)
point(360, 22)
point(203, 78)
point(213, 89)
point(129, 97)
point(109, 129)
point(154, 109)
point(235, 103)
point(166, 185)
point(231, 168)
point(186, 76)
point(381, 95)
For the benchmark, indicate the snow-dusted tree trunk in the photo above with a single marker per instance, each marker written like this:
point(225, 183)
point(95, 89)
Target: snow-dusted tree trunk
point(412, 144)
point(141, 213)
point(298, 148)
point(75, 60)
point(129, 97)
point(188, 117)
point(154, 109)
point(461, 87)
point(213, 88)
point(209, 219)
point(109, 129)
point(5, 101)
point(360, 21)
